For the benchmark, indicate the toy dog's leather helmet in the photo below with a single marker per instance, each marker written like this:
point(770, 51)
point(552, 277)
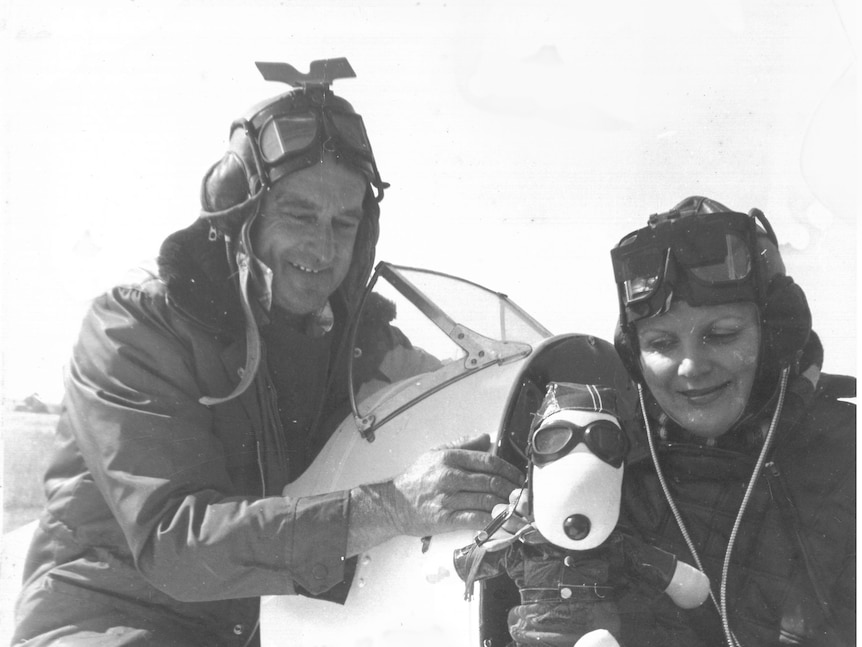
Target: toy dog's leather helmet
point(704, 253)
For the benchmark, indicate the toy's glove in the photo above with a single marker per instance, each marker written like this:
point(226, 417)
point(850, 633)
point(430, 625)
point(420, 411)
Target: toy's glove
point(689, 587)
point(511, 523)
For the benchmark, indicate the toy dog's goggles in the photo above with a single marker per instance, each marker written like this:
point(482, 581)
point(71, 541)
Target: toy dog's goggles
point(295, 140)
point(603, 438)
point(706, 259)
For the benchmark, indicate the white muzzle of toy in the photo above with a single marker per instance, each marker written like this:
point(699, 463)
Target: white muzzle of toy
point(576, 498)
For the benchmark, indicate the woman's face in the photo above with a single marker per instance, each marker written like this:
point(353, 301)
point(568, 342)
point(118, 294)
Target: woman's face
point(699, 363)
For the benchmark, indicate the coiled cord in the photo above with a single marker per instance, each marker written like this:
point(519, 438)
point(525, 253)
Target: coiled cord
point(761, 459)
point(721, 604)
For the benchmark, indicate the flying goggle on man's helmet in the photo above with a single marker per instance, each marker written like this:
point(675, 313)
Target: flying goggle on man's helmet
point(284, 134)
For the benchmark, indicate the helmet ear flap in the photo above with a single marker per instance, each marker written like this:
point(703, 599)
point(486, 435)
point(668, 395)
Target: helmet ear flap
point(229, 192)
point(225, 185)
point(626, 343)
point(786, 320)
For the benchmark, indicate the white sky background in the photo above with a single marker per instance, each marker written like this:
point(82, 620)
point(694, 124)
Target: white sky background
point(522, 140)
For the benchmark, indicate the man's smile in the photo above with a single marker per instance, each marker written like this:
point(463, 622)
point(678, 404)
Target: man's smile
point(303, 268)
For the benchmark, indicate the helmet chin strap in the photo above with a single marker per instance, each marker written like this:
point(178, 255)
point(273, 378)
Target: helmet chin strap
point(244, 259)
point(721, 604)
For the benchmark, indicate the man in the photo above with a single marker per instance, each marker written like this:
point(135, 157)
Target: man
point(194, 397)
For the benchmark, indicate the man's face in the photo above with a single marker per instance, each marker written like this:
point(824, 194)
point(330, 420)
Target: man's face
point(306, 232)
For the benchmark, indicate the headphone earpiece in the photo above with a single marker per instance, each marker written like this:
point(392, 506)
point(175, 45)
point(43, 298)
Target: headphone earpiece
point(626, 345)
point(230, 190)
point(786, 321)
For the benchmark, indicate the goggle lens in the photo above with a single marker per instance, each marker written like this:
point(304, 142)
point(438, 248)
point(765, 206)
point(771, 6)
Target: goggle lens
point(604, 439)
point(713, 252)
point(551, 440)
point(285, 135)
point(733, 264)
point(351, 131)
point(644, 271)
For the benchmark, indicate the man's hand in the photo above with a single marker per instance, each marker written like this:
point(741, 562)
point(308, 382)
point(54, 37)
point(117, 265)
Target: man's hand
point(452, 487)
point(449, 488)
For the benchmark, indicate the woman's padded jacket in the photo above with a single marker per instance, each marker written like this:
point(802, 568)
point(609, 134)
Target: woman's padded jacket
point(792, 573)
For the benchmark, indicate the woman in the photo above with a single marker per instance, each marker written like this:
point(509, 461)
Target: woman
point(747, 460)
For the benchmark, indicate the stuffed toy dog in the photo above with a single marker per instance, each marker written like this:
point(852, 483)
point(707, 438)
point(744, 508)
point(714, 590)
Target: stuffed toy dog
point(558, 541)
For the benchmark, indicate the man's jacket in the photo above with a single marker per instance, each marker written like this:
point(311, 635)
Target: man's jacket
point(165, 520)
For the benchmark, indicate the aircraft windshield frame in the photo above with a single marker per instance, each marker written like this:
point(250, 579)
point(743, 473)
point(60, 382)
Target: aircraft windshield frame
point(512, 336)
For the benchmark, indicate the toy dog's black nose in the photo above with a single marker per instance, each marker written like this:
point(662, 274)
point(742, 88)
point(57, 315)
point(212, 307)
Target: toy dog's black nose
point(577, 526)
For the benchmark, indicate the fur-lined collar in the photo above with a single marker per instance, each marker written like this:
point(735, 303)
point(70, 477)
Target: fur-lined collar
point(199, 279)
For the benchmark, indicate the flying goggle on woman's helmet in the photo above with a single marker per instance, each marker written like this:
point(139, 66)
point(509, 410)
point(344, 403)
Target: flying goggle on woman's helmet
point(284, 134)
point(703, 258)
point(705, 254)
